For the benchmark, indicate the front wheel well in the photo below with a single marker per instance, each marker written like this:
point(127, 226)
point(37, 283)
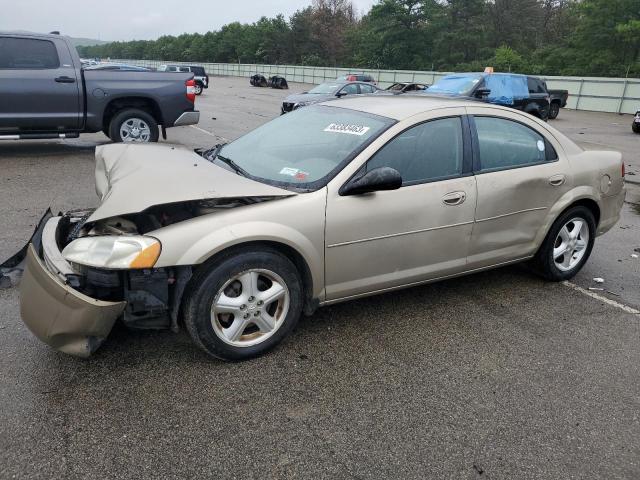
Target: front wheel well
point(310, 305)
point(117, 105)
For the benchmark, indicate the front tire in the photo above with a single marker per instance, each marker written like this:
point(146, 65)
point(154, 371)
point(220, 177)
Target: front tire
point(198, 88)
point(133, 125)
point(554, 110)
point(635, 127)
point(567, 246)
point(243, 304)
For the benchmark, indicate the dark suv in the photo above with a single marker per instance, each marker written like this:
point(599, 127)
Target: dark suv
point(509, 89)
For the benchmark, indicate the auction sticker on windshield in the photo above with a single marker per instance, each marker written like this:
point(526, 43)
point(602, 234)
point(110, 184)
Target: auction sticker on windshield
point(347, 128)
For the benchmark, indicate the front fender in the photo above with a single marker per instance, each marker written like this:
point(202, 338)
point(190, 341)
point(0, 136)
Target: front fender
point(226, 237)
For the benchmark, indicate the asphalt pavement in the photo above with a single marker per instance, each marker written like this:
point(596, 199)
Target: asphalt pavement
point(494, 375)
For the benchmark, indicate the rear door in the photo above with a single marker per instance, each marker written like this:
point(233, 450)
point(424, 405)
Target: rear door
point(521, 172)
point(39, 89)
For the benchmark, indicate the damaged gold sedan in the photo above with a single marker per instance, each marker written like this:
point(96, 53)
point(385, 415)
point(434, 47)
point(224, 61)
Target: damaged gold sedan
point(323, 205)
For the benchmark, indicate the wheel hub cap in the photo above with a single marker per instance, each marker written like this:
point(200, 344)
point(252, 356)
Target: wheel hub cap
point(571, 244)
point(250, 307)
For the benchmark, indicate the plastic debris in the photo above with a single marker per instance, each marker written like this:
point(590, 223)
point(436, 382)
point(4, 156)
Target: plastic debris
point(596, 289)
point(598, 280)
point(634, 255)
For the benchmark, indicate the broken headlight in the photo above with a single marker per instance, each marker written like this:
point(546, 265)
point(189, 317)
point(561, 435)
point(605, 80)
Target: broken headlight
point(116, 252)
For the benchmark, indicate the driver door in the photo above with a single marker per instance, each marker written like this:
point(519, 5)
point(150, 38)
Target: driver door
point(421, 231)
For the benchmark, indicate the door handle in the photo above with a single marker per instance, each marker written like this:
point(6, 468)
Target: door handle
point(557, 180)
point(454, 198)
point(65, 79)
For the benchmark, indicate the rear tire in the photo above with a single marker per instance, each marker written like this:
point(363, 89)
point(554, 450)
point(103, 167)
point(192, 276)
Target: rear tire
point(198, 88)
point(554, 110)
point(635, 127)
point(243, 304)
point(574, 233)
point(140, 125)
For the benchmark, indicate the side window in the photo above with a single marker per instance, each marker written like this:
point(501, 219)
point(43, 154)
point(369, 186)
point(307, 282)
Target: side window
point(508, 144)
point(350, 89)
point(429, 151)
point(184, 69)
point(535, 85)
point(27, 53)
point(366, 89)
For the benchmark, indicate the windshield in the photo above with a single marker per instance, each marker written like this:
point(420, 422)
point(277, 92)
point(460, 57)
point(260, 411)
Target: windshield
point(324, 88)
point(304, 146)
point(455, 84)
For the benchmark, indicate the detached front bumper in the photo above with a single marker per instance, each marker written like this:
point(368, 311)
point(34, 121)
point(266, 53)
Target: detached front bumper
point(56, 313)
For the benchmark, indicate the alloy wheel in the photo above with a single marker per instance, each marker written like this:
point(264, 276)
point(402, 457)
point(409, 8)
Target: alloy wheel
point(250, 307)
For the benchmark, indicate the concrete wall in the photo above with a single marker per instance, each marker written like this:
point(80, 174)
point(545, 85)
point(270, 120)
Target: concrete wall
point(618, 95)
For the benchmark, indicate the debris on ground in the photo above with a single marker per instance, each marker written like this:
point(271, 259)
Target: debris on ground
point(596, 289)
point(598, 280)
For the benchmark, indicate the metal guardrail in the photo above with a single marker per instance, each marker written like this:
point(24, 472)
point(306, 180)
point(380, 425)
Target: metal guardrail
point(618, 95)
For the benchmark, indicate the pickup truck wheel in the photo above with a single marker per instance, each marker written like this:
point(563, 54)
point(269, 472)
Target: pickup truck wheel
point(198, 88)
point(133, 125)
point(244, 304)
point(554, 110)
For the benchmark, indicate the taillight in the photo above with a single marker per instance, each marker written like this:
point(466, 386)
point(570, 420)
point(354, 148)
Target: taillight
point(623, 169)
point(191, 90)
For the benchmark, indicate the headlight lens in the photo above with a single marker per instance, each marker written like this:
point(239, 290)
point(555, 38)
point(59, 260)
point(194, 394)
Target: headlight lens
point(300, 104)
point(114, 252)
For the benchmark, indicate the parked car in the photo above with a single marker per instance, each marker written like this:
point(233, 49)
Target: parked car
point(326, 91)
point(45, 93)
point(329, 203)
point(200, 76)
point(404, 87)
point(508, 89)
point(356, 77)
point(635, 125)
point(116, 66)
point(258, 80)
point(558, 100)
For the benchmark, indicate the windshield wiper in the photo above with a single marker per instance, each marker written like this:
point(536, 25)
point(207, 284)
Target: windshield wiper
point(237, 168)
point(210, 154)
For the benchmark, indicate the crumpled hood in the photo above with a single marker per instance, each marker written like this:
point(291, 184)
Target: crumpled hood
point(131, 178)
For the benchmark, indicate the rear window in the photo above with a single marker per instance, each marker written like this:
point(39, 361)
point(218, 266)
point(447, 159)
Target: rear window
point(198, 71)
point(27, 53)
point(536, 85)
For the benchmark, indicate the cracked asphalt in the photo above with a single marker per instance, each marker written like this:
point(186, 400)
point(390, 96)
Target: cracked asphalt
point(495, 375)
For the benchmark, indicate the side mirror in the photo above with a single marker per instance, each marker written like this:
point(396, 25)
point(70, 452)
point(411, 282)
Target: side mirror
point(341, 94)
point(482, 93)
point(381, 178)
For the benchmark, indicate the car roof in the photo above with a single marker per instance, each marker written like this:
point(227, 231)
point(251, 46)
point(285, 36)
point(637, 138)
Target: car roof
point(400, 107)
point(24, 33)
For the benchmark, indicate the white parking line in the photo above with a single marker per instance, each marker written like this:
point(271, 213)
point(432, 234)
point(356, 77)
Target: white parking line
point(606, 300)
point(209, 133)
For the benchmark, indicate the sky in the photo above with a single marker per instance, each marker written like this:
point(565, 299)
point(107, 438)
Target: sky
point(141, 19)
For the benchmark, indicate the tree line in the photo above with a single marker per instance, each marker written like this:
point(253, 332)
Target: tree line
point(551, 37)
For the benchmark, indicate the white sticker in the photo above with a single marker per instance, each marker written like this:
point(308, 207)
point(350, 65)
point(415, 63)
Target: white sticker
point(289, 171)
point(541, 145)
point(347, 128)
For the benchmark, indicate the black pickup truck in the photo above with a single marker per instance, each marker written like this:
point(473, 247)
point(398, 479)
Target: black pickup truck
point(558, 100)
point(45, 93)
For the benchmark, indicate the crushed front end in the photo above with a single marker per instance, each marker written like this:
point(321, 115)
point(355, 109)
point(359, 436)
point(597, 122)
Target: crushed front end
point(73, 307)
